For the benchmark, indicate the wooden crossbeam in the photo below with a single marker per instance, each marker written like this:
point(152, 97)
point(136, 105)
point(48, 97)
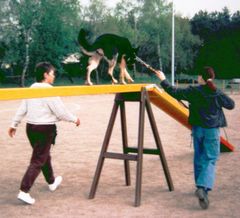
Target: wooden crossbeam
point(24, 93)
point(120, 156)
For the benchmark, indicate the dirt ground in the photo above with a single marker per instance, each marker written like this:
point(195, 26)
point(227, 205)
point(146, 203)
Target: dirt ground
point(75, 158)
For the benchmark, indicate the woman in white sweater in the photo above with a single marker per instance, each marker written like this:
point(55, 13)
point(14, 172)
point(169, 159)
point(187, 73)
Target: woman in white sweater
point(41, 115)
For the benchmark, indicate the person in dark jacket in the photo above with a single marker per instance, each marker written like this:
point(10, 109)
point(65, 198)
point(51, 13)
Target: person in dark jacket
point(206, 116)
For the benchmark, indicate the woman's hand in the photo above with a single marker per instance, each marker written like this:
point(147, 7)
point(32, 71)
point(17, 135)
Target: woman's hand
point(77, 122)
point(160, 75)
point(11, 132)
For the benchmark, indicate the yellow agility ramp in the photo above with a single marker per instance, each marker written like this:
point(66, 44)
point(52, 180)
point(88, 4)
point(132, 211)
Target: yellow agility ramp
point(180, 113)
point(24, 93)
point(169, 105)
point(158, 97)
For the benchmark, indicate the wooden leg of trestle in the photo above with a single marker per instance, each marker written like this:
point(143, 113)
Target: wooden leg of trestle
point(104, 149)
point(159, 144)
point(125, 142)
point(140, 150)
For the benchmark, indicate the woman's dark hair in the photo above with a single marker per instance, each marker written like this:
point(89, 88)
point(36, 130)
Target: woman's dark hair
point(208, 75)
point(41, 68)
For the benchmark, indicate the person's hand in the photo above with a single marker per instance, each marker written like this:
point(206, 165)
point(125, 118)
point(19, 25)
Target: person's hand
point(11, 132)
point(160, 75)
point(77, 122)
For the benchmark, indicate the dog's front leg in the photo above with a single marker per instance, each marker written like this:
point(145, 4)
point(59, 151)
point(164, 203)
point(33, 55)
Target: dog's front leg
point(111, 65)
point(122, 67)
point(123, 72)
point(121, 76)
point(128, 77)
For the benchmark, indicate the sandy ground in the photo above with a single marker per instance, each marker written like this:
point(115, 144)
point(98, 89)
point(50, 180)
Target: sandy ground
point(75, 158)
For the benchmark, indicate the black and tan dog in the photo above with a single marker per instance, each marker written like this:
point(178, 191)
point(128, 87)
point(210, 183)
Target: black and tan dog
point(114, 49)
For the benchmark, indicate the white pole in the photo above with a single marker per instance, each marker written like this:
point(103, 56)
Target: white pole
point(173, 39)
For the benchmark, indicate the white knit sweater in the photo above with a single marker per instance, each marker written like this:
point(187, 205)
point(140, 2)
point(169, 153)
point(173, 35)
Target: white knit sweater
point(42, 110)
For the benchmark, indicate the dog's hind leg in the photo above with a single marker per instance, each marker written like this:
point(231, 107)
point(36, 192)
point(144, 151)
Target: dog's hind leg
point(93, 63)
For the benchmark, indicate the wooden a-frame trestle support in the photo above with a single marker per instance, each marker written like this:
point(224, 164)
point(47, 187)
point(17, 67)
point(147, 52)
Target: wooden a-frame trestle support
point(143, 98)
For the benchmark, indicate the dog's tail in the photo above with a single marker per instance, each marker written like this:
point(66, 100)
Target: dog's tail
point(84, 45)
point(82, 39)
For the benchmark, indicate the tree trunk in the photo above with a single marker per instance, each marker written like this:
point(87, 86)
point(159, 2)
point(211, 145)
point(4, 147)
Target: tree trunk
point(159, 53)
point(135, 42)
point(26, 58)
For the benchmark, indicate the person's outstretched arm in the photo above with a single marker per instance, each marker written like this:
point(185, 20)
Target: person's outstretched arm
point(178, 93)
point(62, 113)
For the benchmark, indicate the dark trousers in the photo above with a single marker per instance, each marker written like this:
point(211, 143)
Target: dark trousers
point(41, 137)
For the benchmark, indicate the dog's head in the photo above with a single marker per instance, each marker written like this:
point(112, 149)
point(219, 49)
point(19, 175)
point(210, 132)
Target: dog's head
point(130, 58)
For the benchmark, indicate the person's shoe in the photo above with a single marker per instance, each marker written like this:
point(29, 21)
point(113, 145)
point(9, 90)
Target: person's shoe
point(25, 197)
point(203, 198)
point(57, 182)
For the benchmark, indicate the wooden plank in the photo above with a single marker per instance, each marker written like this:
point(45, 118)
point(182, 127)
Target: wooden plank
point(24, 93)
point(153, 151)
point(120, 156)
point(170, 105)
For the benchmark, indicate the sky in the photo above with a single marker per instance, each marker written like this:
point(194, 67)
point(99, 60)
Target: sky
point(187, 8)
point(190, 7)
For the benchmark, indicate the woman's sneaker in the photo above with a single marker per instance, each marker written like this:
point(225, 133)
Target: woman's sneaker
point(25, 197)
point(57, 182)
point(203, 198)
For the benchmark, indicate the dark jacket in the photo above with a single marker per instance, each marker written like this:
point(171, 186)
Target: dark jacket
point(205, 105)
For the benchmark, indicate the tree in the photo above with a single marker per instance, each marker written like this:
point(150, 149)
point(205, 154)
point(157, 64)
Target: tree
point(40, 30)
point(56, 32)
point(220, 33)
point(156, 30)
point(235, 20)
point(186, 46)
point(94, 15)
point(26, 19)
point(155, 24)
